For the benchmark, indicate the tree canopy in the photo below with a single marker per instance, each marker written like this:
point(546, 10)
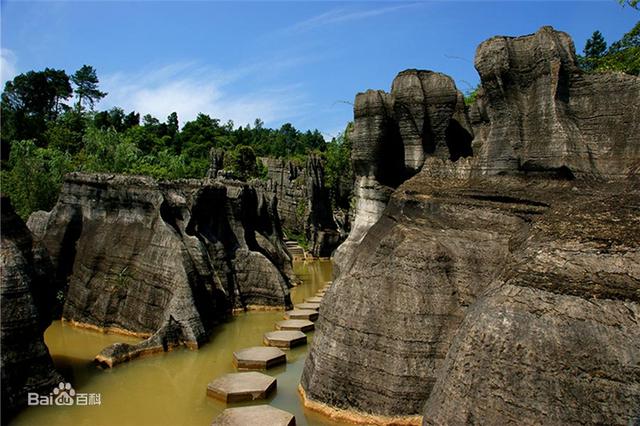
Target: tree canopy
point(43, 137)
point(622, 55)
point(87, 92)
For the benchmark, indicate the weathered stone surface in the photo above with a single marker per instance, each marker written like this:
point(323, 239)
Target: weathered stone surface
point(307, 314)
point(25, 279)
point(285, 338)
point(216, 161)
point(305, 206)
point(502, 288)
point(424, 115)
point(258, 415)
point(299, 325)
point(258, 358)
point(162, 260)
point(555, 338)
point(322, 231)
point(308, 305)
point(238, 387)
point(547, 117)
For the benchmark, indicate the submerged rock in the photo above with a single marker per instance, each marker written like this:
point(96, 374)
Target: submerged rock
point(163, 260)
point(498, 288)
point(25, 362)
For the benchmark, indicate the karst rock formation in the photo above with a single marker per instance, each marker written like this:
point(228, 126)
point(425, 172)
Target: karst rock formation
point(492, 275)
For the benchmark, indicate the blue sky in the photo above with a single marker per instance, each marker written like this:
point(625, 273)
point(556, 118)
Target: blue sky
point(298, 62)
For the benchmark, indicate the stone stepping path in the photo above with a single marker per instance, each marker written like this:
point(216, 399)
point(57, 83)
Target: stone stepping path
point(257, 415)
point(307, 305)
point(253, 385)
point(237, 387)
point(306, 314)
point(258, 358)
point(285, 338)
point(299, 325)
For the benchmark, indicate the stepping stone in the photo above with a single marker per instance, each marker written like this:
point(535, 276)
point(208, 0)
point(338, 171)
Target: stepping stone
point(299, 325)
point(321, 293)
point(285, 338)
point(258, 358)
point(236, 387)
point(257, 415)
point(307, 314)
point(315, 299)
point(307, 305)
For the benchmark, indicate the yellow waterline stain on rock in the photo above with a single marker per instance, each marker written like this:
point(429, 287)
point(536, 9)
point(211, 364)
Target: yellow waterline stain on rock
point(258, 308)
point(356, 417)
point(106, 330)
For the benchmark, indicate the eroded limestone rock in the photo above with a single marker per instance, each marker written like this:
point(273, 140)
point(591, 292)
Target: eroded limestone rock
point(25, 362)
point(497, 288)
point(163, 260)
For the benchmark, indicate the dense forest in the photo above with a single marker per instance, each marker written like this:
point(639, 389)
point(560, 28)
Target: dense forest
point(49, 127)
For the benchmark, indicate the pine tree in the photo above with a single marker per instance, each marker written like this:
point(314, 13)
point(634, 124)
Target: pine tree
point(86, 81)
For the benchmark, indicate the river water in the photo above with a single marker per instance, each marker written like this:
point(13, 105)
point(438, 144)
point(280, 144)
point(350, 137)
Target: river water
point(170, 388)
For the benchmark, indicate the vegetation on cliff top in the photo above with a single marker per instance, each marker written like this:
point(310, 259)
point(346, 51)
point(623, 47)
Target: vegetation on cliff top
point(49, 128)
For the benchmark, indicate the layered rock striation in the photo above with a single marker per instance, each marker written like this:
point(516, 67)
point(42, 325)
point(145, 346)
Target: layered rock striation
point(493, 280)
point(25, 287)
point(393, 133)
point(304, 202)
point(162, 260)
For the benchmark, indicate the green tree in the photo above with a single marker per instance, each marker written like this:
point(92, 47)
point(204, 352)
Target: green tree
point(86, 82)
point(29, 101)
point(34, 179)
point(594, 49)
point(633, 3)
point(243, 162)
point(338, 170)
point(172, 124)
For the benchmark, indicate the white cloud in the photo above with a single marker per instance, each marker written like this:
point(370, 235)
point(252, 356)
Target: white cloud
point(342, 15)
point(189, 90)
point(8, 62)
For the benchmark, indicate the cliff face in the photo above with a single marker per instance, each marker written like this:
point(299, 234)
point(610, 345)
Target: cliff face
point(304, 203)
point(491, 283)
point(545, 116)
point(25, 362)
point(393, 133)
point(162, 260)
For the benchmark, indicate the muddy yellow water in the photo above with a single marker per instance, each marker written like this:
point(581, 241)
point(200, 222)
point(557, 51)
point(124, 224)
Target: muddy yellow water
point(170, 388)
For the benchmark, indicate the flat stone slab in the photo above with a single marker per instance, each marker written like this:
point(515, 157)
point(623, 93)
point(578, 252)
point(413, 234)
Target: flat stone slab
point(307, 305)
point(258, 358)
point(236, 387)
point(315, 299)
point(285, 338)
point(307, 314)
point(299, 325)
point(321, 293)
point(257, 415)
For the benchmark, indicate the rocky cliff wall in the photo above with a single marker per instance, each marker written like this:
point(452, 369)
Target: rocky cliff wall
point(493, 281)
point(304, 203)
point(163, 260)
point(25, 282)
point(393, 133)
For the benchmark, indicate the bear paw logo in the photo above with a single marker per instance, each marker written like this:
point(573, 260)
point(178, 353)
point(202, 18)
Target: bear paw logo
point(63, 394)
